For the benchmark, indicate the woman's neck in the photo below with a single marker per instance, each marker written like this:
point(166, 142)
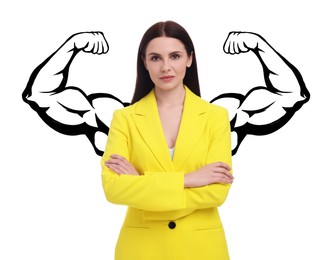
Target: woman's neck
point(170, 98)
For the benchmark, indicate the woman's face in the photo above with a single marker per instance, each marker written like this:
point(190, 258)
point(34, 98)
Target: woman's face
point(166, 60)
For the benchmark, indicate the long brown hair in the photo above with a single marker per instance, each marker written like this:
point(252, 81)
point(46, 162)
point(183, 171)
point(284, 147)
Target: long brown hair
point(171, 29)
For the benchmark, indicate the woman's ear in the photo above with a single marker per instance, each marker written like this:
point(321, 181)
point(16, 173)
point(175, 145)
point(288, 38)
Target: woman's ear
point(190, 59)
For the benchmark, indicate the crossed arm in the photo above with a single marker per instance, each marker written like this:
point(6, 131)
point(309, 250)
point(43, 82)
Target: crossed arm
point(175, 193)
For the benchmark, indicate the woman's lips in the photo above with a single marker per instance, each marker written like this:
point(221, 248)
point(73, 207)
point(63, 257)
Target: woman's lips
point(167, 78)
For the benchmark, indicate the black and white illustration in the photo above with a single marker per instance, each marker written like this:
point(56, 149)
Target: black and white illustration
point(66, 66)
point(69, 110)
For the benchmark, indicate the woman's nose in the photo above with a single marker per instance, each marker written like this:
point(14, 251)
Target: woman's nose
point(166, 66)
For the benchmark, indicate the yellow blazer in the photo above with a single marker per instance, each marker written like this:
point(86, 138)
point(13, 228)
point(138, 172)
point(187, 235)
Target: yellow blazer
point(165, 220)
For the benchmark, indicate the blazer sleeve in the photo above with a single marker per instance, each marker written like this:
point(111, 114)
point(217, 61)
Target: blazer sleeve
point(212, 195)
point(152, 192)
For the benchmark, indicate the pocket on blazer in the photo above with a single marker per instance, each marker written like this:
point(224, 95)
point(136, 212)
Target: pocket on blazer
point(212, 227)
point(135, 227)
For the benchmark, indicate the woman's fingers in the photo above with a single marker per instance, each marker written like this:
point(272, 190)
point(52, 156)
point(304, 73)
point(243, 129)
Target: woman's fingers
point(222, 178)
point(117, 168)
point(120, 165)
point(117, 164)
point(224, 169)
point(120, 161)
point(222, 165)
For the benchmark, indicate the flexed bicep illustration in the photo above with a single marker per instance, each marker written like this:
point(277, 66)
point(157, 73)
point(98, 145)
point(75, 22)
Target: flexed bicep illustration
point(69, 110)
point(263, 109)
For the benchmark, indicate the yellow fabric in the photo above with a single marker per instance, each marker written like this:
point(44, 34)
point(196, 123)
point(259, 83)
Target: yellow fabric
point(158, 196)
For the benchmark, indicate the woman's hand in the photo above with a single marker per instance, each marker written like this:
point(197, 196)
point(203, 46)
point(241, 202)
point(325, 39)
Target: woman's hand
point(217, 172)
point(120, 165)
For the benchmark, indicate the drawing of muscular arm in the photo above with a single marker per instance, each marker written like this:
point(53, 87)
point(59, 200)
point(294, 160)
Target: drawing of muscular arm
point(264, 109)
point(67, 109)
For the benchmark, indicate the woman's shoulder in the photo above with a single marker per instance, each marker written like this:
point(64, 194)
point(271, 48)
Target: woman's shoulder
point(217, 112)
point(202, 102)
point(217, 108)
point(212, 108)
point(125, 110)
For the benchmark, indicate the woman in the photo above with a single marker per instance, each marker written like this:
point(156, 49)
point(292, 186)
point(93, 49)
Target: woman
point(168, 157)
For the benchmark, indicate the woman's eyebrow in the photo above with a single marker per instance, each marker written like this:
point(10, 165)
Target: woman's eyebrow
point(157, 54)
point(154, 54)
point(175, 52)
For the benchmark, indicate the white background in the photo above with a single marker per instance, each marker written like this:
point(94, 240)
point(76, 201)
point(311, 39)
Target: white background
point(282, 204)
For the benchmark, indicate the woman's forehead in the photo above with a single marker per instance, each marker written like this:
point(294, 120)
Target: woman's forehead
point(164, 45)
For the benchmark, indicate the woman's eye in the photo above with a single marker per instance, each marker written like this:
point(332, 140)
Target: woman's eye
point(155, 58)
point(175, 56)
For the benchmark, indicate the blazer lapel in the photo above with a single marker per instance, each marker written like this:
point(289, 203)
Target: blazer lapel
point(191, 128)
point(148, 123)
